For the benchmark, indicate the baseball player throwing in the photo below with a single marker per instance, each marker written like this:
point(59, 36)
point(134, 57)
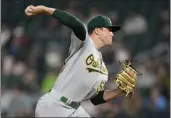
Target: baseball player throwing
point(84, 74)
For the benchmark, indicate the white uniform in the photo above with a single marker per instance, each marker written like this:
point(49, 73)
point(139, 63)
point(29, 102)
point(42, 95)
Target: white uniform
point(82, 76)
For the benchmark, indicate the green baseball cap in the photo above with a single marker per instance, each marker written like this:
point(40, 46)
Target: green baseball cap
point(102, 21)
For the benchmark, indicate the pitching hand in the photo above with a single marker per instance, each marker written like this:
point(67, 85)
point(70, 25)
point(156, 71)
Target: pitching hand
point(34, 10)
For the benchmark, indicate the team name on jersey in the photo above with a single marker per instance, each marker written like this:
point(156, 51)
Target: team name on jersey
point(95, 65)
point(100, 87)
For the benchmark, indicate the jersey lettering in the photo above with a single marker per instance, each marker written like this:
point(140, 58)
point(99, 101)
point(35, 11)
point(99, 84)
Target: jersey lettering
point(100, 87)
point(95, 66)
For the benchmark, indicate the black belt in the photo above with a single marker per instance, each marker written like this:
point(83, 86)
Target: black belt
point(72, 104)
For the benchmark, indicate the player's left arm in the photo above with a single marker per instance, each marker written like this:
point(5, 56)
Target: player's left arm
point(106, 95)
point(126, 81)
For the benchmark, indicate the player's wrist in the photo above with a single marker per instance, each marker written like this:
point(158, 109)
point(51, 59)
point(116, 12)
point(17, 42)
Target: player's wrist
point(119, 91)
point(48, 10)
point(44, 9)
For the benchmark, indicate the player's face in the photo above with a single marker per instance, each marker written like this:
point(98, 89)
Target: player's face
point(106, 36)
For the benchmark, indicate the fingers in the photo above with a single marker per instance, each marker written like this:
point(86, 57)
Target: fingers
point(130, 71)
point(32, 8)
point(29, 10)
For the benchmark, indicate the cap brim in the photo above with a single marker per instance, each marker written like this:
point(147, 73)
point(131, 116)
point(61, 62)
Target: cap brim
point(114, 28)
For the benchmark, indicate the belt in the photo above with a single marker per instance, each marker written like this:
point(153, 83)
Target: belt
point(72, 104)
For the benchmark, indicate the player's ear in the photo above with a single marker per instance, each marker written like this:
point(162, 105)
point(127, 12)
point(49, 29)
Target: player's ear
point(97, 31)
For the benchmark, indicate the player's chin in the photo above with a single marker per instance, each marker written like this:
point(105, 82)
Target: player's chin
point(110, 43)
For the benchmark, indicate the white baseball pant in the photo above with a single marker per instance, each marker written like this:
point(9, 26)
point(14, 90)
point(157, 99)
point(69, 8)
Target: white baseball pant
point(50, 105)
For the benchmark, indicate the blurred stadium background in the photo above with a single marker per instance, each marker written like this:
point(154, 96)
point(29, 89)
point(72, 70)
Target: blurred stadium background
point(33, 51)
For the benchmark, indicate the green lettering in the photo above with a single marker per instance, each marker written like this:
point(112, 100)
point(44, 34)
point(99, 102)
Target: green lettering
point(94, 64)
point(90, 59)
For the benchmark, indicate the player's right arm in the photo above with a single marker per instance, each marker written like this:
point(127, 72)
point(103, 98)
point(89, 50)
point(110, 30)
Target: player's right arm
point(65, 18)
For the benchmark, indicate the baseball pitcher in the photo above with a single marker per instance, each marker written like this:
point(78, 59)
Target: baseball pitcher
point(84, 74)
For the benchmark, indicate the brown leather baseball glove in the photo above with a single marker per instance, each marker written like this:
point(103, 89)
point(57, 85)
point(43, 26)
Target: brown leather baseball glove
point(126, 78)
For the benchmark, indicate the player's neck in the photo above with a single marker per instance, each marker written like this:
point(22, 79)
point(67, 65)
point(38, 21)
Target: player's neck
point(97, 42)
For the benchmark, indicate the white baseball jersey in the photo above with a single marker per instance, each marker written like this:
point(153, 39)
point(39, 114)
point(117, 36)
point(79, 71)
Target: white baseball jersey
point(84, 73)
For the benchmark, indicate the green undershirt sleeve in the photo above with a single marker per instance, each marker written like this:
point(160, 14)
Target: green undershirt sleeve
point(72, 22)
point(98, 99)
